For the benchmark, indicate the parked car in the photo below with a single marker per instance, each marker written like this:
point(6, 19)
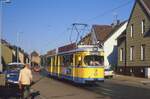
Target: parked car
point(108, 73)
point(12, 73)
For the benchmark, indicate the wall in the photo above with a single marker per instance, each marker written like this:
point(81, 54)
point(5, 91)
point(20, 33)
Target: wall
point(110, 47)
point(138, 38)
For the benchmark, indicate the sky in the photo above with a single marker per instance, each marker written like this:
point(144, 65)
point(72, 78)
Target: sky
point(43, 25)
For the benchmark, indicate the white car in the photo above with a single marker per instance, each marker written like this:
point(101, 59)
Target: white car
point(108, 73)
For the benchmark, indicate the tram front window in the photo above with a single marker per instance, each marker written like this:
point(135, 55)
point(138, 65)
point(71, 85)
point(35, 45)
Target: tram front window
point(93, 60)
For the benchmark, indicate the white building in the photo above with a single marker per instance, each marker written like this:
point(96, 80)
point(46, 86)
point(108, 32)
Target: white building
point(110, 45)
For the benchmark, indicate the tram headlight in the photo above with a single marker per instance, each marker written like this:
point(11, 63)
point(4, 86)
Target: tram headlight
point(79, 58)
point(8, 75)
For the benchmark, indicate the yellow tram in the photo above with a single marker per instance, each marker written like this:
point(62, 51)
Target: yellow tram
point(78, 63)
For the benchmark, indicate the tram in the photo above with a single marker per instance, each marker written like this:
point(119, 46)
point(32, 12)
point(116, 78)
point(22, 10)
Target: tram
point(78, 63)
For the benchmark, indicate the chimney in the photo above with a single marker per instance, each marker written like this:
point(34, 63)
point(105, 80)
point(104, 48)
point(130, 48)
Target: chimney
point(117, 22)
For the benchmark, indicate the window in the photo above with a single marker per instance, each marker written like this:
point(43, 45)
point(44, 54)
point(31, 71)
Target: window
point(48, 61)
point(131, 53)
point(142, 52)
point(143, 26)
point(121, 54)
point(131, 30)
point(67, 60)
point(93, 60)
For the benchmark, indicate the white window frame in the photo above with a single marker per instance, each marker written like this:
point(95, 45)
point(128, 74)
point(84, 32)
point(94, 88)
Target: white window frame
point(131, 30)
point(121, 54)
point(142, 52)
point(131, 53)
point(143, 26)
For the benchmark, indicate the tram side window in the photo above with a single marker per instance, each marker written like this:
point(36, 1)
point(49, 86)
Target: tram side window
point(56, 61)
point(53, 61)
point(61, 60)
point(49, 61)
point(67, 60)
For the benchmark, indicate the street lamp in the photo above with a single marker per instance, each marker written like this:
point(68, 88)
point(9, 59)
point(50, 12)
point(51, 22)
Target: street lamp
point(18, 47)
point(1, 17)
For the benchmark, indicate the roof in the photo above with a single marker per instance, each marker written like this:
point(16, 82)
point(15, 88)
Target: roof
point(86, 40)
point(67, 47)
point(34, 53)
point(123, 35)
point(102, 31)
point(115, 29)
point(6, 43)
point(146, 5)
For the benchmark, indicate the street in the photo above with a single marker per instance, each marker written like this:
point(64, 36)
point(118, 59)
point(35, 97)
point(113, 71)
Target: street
point(119, 87)
point(49, 88)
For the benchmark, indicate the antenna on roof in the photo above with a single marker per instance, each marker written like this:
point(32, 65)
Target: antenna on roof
point(116, 20)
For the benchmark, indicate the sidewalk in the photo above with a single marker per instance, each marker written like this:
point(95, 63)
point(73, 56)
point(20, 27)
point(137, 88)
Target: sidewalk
point(144, 81)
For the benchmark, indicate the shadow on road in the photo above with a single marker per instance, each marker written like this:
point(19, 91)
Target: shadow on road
point(35, 94)
point(110, 89)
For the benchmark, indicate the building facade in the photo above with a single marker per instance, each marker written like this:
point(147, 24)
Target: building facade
point(6, 54)
point(9, 54)
point(137, 42)
point(35, 59)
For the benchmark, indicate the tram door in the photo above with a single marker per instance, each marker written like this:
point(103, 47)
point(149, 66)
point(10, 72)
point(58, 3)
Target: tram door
point(78, 65)
point(52, 64)
point(58, 65)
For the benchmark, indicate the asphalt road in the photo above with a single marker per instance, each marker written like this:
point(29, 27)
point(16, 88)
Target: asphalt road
point(49, 88)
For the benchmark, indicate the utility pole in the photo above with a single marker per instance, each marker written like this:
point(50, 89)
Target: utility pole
point(18, 41)
point(17, 47)
point(1, 29)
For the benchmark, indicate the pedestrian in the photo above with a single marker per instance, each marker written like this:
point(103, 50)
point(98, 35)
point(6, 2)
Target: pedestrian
point(25, 80)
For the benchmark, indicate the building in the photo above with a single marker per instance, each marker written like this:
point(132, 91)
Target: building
point(87, 40)
point(110, 45)
point(18, 54)
point(35, 59)
point(7, 55)
point(134, 50)
point(26, 58)
point(99, 34)
point(121, 45)
point(44, 60)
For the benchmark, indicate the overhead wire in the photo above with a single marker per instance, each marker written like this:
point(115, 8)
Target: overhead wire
point(111, 10)
point(107, 12)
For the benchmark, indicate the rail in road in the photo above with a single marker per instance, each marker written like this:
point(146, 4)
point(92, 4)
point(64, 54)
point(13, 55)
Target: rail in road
point(110, 89)
point(48, 88)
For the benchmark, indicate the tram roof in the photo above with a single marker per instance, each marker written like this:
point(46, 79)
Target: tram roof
point(81, 48)
point(71, 48)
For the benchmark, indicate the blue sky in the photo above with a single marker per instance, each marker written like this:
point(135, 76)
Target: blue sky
point(43, 25)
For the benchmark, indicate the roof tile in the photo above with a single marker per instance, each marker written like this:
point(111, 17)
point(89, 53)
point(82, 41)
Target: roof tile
point(102, 31)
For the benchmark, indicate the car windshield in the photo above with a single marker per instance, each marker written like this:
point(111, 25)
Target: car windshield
point(93, 60)
point(15, 67)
